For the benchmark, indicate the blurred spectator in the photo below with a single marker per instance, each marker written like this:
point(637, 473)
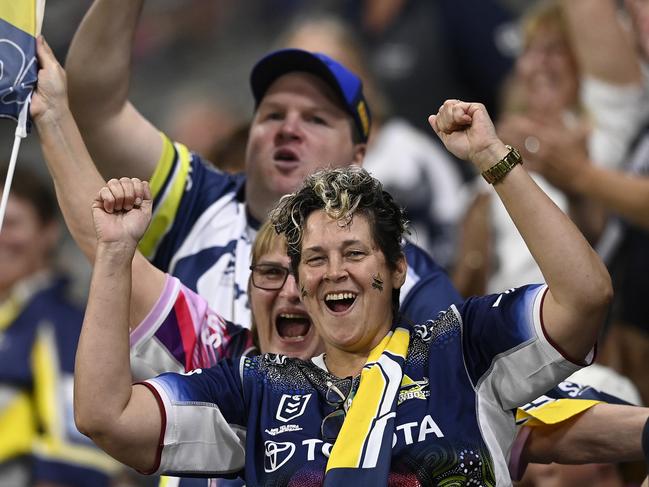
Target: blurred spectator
point(39, 330)
point(563, 160)
point(577, 70)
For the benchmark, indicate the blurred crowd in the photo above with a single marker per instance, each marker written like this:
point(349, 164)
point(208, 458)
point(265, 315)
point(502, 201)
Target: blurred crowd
point(566, 81)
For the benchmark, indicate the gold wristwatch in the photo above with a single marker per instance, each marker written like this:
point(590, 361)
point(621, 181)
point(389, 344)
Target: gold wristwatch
point(499, 170)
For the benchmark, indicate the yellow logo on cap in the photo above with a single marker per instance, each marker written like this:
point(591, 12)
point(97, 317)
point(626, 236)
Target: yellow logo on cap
point(362, 114)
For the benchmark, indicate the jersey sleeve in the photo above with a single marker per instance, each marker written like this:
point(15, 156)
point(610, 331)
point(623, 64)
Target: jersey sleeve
point(428, 289)
point(182, 184)
point(507, 353)
point(182, 333)
point(204, 421)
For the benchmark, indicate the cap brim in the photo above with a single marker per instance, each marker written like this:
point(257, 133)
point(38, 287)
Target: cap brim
point(278, 63)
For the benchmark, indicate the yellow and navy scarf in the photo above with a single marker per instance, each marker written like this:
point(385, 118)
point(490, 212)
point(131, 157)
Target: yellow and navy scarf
point(363, 449)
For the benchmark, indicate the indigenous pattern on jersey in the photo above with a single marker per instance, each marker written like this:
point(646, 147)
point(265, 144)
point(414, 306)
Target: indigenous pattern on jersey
point(39, 331)
point(182, 333)
point(201, 233)
point(465, 373)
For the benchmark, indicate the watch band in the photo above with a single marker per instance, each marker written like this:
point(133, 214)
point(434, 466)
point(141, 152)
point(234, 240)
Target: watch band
point(499, 170)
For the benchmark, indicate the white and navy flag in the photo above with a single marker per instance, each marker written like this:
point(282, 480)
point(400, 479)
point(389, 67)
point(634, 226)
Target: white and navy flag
point(20, 23)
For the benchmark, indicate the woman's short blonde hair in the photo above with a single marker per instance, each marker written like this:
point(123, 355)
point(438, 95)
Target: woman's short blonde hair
point(265, 240)
point(544, 14)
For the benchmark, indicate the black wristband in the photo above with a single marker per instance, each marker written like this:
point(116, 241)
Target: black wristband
point(645, 441)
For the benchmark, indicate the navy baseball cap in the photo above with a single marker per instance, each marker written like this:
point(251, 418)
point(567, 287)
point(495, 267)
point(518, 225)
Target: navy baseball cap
point(345, 84)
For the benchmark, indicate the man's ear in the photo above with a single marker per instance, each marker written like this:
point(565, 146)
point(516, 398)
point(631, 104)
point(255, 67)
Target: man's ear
point(400, 272)
point(359, 154)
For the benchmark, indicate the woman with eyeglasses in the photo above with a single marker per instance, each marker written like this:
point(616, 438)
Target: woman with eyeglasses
point(420, 405)
point(168, 309)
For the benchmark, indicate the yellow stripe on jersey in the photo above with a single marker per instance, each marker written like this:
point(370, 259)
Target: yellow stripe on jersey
point(169, 481)
point(53, 401)
point(165, 212)
point(555, 412)
point(366, 406)
point(9, 311)
point(17, 427)
point(163, 167)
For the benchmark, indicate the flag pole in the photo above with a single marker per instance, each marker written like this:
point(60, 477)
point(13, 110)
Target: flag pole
point(21, 133)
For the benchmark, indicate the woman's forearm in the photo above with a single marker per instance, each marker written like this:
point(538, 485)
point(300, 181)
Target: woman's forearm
point(606, 433)
point(102, 371)
point(75, 177)
point(122, 419)
point(579, 284)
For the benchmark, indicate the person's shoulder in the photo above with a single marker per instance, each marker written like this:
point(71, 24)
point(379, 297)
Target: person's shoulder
point(199, 167)
point(438, 329)
point(419, 260)
point(278, 368)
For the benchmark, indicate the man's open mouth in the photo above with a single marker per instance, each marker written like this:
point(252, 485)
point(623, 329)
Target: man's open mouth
point(340, 302)
point(285, 155)
point(292, 326)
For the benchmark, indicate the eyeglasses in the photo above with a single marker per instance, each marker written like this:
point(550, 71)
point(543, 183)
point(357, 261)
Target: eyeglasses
point(333, 422)
point(270, 277)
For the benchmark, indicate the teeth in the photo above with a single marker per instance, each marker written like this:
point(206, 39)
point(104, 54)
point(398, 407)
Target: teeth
point(290, 316)
point(339, 296)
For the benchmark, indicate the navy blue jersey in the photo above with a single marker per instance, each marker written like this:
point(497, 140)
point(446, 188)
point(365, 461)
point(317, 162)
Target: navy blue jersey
point(39, 331)
point(465, 373)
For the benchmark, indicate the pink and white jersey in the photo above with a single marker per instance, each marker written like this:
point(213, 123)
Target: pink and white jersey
point(182, 333)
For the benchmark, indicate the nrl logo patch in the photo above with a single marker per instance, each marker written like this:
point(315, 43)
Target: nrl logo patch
point(292, 406)
point(413, 389)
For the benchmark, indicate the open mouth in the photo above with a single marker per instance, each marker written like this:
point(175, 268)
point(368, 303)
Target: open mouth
point(285, 155)
point(292, 326)
point(340, 302)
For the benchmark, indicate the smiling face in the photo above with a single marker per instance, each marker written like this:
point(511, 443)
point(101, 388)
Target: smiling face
point(25, 242)
point(279, 317)
point(548, 70)
point(299, 127)
point(347, 282)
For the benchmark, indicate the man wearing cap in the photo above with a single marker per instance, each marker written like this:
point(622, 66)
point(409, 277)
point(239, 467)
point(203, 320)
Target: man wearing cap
point(310, 113)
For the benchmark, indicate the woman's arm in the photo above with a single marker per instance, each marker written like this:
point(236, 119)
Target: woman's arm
point(121, 139)
point(602, 48)
point(76, 178)
point(580, 288)
point(605, 433)
point(626, 195)
point(122, 419)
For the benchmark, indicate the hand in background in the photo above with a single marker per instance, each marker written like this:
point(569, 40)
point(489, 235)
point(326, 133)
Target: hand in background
point(557, 152)
point(51, 91)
